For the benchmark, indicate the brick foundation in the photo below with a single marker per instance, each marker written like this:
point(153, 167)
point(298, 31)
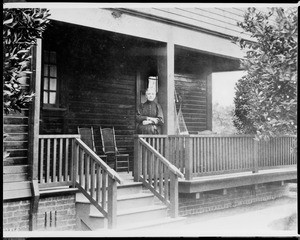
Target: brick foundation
point(190, 204)
point(55, 213)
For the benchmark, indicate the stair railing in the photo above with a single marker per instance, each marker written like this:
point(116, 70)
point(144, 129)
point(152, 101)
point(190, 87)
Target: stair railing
point(96, 180)
point(158, 175)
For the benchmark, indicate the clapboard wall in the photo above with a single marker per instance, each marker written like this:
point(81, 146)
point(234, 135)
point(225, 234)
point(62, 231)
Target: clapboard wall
point(218, 20)
point(97, 84)
point(192, 91)
point(15, 166)
point(16, 126)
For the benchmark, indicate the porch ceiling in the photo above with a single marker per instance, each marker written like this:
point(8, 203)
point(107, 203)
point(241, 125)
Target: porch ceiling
point(148, 29)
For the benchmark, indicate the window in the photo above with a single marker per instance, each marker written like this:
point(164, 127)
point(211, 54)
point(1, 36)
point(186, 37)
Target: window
point(50, 84)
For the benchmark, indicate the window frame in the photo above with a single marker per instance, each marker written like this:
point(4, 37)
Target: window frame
point(49, 63)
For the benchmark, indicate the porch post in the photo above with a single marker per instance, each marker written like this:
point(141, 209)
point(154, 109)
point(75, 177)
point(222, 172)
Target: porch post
point(137, 167)
point(112, 203)
point(166, 86)
point(34, 125)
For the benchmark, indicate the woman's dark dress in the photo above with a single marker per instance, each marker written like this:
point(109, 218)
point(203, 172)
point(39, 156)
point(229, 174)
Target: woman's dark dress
point(149, 109)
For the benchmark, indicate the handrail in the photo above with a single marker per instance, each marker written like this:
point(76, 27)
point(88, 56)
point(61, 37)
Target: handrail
point(96, 181)
point(59, 136)
point(65, 160)
point(112, 173)
point(173, 169)
point(157, 174)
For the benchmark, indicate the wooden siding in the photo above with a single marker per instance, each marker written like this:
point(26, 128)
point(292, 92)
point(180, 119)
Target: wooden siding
point(16, 126)
point(192, 90)
point(97, 84)
point(91, 105)
point(220, 20)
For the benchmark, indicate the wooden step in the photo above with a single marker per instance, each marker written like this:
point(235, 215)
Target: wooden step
point(131, 201)
point(123, 201)
point(82, 214)
point(129, 188)
point(137, 215)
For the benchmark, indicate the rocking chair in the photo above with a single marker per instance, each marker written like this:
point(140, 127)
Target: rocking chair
point(87, 136)
point(109, 147)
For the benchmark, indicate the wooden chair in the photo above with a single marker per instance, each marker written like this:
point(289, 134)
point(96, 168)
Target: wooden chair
point(87, 136)
point(109, 147)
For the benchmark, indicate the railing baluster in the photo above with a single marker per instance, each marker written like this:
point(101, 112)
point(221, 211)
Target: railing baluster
point(155, 172)
point(104, 181)
point(217, 156)
point(48, 162)
point(81, 161)
point(150, 162)
point(144, 163)
point(87, 177)
point(92, 178)
point(54, 160)
point(195, 160)
point(166, 183)
point(60, 160)
point(202, 163)
point(42, 161)
point(99, 182)
point(67, 160)
point(161, 180)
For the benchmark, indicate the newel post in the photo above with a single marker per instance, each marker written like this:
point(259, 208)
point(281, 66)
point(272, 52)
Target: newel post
point(137, 161)
point(174, 195)
point(189, 158)
point(112, 203)
point(74, 173)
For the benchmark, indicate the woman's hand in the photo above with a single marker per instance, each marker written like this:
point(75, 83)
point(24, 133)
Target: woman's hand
point(152, 120)
point(147, 122)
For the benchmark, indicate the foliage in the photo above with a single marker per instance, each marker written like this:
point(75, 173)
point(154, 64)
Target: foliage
point(21, 28)
point(266, 98)
point(222, 119)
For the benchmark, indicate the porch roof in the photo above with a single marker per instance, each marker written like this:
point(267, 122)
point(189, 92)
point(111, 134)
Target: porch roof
point(147, 28)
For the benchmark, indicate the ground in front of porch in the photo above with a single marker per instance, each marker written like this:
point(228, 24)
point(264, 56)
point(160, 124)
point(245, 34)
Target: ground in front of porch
point(277, 217)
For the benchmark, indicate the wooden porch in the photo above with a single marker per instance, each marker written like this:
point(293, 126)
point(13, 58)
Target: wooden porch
point(166, 165)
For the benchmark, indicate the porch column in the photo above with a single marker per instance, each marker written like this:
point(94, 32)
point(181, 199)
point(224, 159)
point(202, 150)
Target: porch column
point(34, 125)
point(166, 86)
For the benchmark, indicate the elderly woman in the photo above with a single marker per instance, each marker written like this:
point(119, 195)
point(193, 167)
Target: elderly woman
point(149, 115)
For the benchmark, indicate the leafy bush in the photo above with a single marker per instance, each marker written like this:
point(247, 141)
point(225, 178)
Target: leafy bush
point(266, 98)
point(21, 28)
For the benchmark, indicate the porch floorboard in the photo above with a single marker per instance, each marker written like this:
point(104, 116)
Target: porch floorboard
point(215, 182)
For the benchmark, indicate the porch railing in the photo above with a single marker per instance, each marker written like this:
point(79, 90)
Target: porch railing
point(64, 160)
point(55, 160)
point(158, 174)
point(201, 155)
